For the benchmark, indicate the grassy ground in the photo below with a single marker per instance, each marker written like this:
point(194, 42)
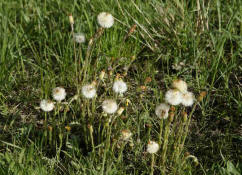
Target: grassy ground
point(197, 41)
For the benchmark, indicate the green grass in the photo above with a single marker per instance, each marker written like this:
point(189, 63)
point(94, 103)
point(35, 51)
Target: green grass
point(37, 54)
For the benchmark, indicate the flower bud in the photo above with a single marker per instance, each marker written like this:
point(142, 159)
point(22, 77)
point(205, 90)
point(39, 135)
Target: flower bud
point(90, 128)
point(184, 116)
point(71, 19)
point(171, 117)
point(102, 74)
point(68, 128)
point(120, 110)
point(172, 108)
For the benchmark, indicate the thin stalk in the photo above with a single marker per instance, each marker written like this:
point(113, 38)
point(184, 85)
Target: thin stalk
point(90, 127)
point(165, 143)
point(161, 129)
point(186, 131)
point(106, 148)
point(152, 164)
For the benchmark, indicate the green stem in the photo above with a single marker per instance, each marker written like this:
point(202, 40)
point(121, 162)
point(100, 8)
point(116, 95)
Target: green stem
point(152, 164)
point(186, 131)
point(165, 143)
point(106, 148)
point(161, 129)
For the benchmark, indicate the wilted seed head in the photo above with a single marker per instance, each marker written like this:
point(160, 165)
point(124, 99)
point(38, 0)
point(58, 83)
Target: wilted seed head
point(148, 80)
point(109, 106)
point(46, 105)
point(152, 147)
point(173, 108)
point(186, 154)
point(79, 38)
point(50, 128)
point(119, 86)
point(126, 134)
point(180, 85)
point(202, 95)
point(89, 91)
point(173, 97)
point(59, 93)
point(188, 99)
point(162, 110)
point(143, 88)
point(105, 20)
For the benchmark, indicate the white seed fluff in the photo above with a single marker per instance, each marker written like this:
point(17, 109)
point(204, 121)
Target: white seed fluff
point(119, 86)
point(162, 110)
point(59, 93)
point(180, 85)
point(89, 91)
point(79, 37)
point(173, 97)
point(188, 99)
point(46, 105)
point(105, 20)
point(109, 106)
point(126, 134)
point(152, 147)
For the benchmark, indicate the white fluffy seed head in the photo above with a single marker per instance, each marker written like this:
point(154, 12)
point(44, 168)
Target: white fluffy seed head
point(59, 93)
point(173, 97)
point(105, 20)
point(188, 99)
point(180, 85)
point(109, 106)
point(46, 105)
point(126, 134)
point(162, 110)
point(89, 91)
point(119, 86)
point(79, 37)
point(152, 147)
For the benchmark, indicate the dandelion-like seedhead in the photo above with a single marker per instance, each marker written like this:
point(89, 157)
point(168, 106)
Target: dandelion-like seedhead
point(79, 38)
point(126, 134)
point(46, 105)
point(173, 97)
point(59, 93)
point(119, 86)
point(109, 106)
point(105, 20)
point(152, 147)
point(180, 85)
point(162, 110)
point(89, 91)
point(188, 99)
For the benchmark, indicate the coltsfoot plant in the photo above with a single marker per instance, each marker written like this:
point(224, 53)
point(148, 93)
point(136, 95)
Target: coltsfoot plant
point(103, 122)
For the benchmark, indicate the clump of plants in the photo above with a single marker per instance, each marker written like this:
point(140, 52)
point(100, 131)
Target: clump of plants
point(103, 120)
